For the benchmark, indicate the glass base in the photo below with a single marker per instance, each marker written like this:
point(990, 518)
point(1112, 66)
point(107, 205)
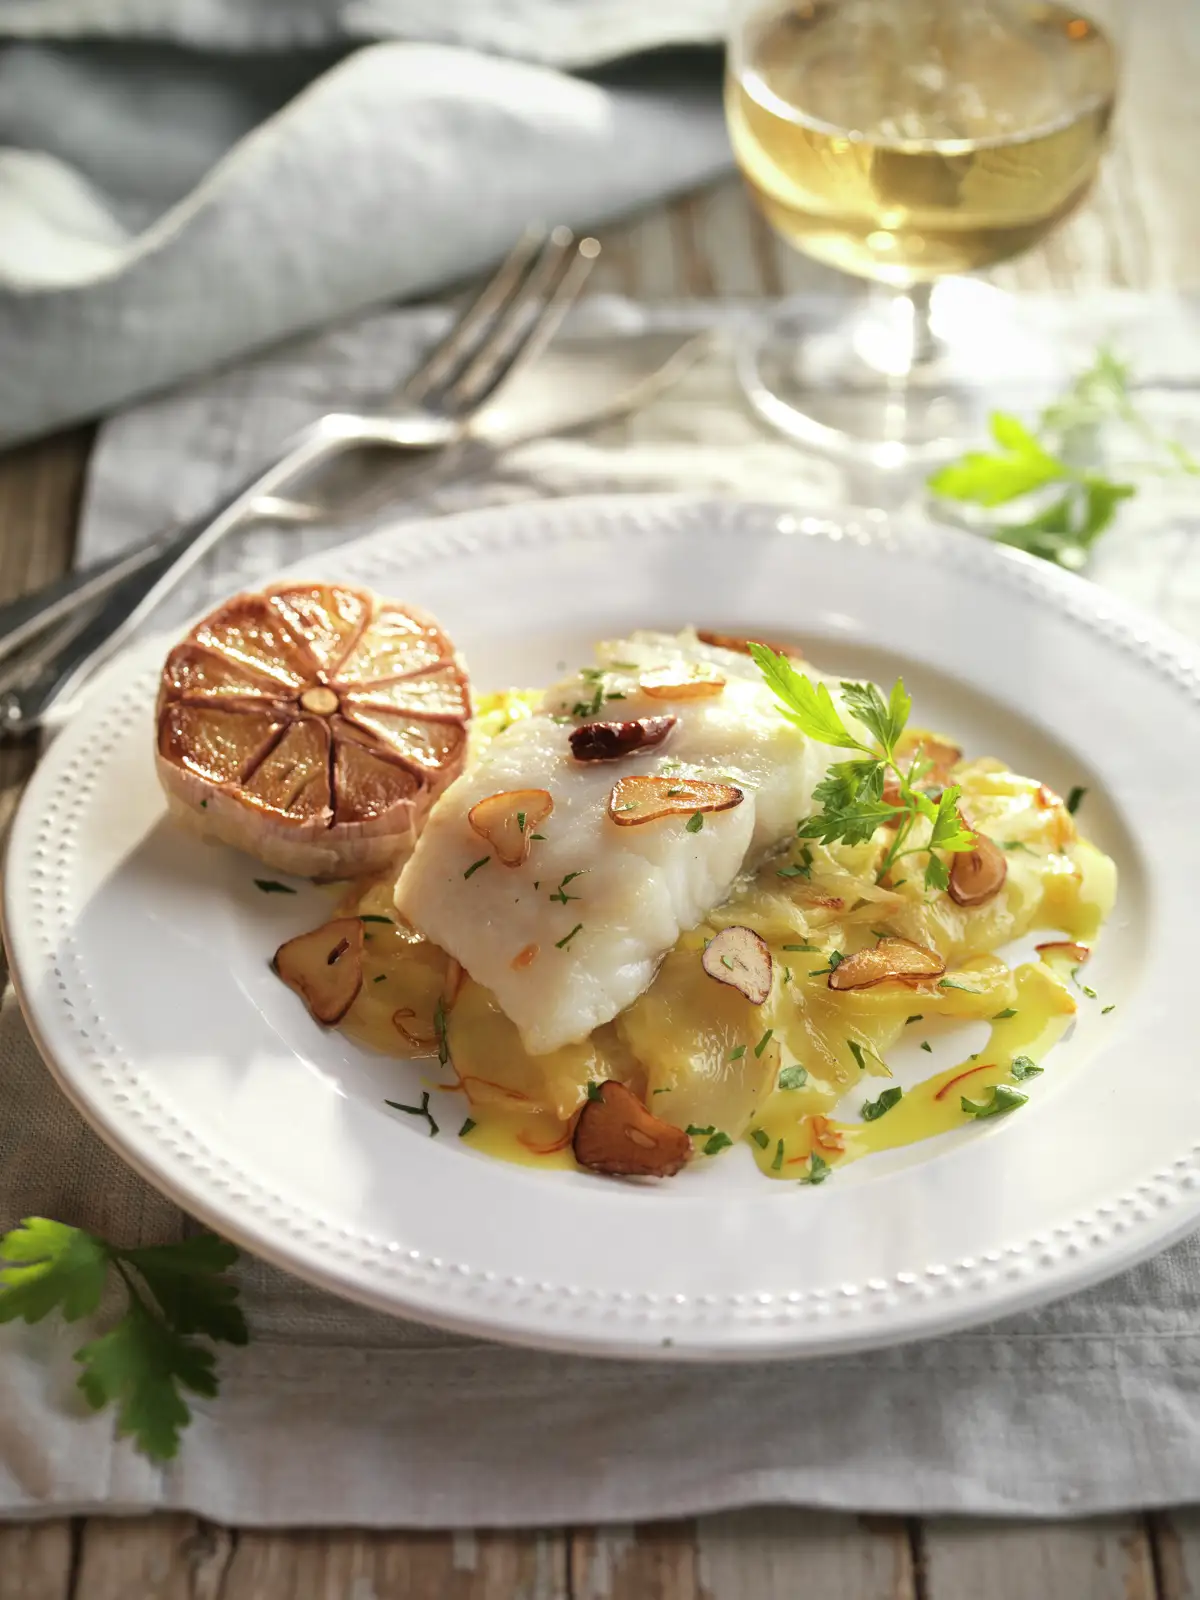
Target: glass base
point(876, 382)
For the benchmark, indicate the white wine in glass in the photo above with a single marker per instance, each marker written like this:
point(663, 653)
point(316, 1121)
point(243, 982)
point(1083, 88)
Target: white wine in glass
point(906, 141)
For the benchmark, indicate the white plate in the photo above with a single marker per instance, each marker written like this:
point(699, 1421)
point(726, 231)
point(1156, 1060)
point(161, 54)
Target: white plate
point(141, 959)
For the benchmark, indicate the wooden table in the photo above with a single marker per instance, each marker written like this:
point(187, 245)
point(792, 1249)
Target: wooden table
point(1140, 230)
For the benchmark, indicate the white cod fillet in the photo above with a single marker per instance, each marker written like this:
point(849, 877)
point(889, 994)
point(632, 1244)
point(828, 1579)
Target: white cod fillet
point(638, 888)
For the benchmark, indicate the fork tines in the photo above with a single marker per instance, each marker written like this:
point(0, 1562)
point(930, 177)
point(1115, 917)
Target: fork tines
point(507, 323)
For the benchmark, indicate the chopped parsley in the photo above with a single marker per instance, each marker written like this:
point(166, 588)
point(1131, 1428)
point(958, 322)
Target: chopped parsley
point(719, 1141)
point(835, 960)
point(560, 894)
point(726, 962)
point(1075, 798)
point(917, 1017)
point(564, 942)
point(856, 1050)
point(1083, 988)
point(439, 1028)
point(539, 836)
point(466, 1127)
point(1023, 1068)
point(593, 1090)
point(1002, 1016)
point(270, 886)
point(417, 1111)
point(949, 983)
point(737, 1052)
point(380, 978)
point(693, 1132)
point(520, 822)
point(695, 822)
point(1104, 1010)
point(475, 866)
point(387, 921)
point(809, 947)
point(874, 1109)
point(763, 1042)
point(761, 1137)
point(925, 1045)
point(999, 1099)
point(777, 1162)
point(793, 1077)
point(818, 1170)
point(793, 872)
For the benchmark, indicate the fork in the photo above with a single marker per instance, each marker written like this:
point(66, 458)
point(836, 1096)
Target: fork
point(512, 318)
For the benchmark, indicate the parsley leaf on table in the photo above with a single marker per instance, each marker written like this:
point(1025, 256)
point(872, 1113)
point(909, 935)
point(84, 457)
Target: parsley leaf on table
point(1070, 503)
point(174, 1293)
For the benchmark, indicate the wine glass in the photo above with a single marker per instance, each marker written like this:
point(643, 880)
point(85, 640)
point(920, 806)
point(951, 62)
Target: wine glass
point(907, 141)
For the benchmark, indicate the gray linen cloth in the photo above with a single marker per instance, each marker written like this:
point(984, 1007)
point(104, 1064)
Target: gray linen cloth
point(339, 1415)
point(310, 158)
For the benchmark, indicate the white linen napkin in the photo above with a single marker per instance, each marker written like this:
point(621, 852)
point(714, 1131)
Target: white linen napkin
point(149, 151)
point(338, 1415)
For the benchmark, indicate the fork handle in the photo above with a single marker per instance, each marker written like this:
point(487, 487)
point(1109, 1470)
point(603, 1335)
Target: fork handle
point(23, 619)
point(132, 585)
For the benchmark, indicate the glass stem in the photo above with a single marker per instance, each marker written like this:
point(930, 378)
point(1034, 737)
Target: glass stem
point(925, 343)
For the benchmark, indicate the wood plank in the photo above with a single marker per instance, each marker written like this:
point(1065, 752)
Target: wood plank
point(773, 1553)
point(1175, 1539)
point(35, 1561)
point(395, 1566)
point(781, 1553)
point(1100, 1558)
point(655, 1561)
point(152, 1558)
point(41, 486)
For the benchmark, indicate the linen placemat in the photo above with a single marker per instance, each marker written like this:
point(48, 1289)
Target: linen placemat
point(340, 1415)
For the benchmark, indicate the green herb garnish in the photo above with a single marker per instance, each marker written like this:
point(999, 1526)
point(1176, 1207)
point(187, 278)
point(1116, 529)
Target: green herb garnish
point(466, 1127)
point(695, 822)
point(564, 942)
point(808, 947)
point(1023, 1067)
point(693, 1132)
point(737, 1052)
point(763, 1042)
point(475, 866)
point(439, 1028)
point(874, 1109)
point(1104, 1010)
point(271, 886)
point(175, 1297)
point(1075, 798)
point(1002, 1016)
point(851, 792)
point(949, 983)
point(835, 960)
point(761, 1137)
point(999, 1099)
point(719, 1141)
point(925, 1045)
point(380, 978)
point(856, 1050)
point(818, 1170)
point(560, 893)
point(777, 1162)
point(793, 1077)
point(418, 1111)
point(918, 1017)
point(593, 1090)
point(387, 920)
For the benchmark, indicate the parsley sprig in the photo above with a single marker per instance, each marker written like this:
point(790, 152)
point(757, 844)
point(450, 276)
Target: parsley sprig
point(176, 1297)
point(1044, 469)
point(851, 793)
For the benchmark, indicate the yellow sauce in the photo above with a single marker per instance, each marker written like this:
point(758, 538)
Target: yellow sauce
point(702, 1056)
